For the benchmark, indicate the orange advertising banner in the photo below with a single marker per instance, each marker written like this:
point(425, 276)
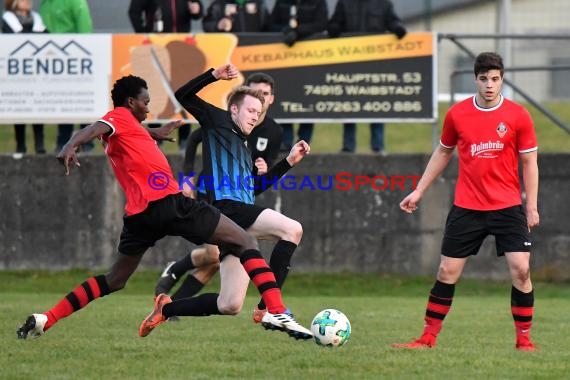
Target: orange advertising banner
point(376, 77)
point(332, 51)
point(167, 61)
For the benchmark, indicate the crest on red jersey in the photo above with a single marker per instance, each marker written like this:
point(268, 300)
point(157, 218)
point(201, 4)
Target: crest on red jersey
point(501, 129)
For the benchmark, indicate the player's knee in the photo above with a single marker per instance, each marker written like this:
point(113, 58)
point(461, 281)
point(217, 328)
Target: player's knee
point(297, 231)
point(447, 274)
point(521, 272)
point(213, 255)
point(293, 232)
point(232, 307)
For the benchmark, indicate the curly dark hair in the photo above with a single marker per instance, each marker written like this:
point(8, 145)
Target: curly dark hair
point(488, 61)
point(127, 87)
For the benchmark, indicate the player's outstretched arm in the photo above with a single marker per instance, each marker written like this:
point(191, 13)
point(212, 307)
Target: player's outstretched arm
point(226, 72)
point(437, 163)
point(67, 156)
point(187, 94)
point(163, 132)
point(298, 152)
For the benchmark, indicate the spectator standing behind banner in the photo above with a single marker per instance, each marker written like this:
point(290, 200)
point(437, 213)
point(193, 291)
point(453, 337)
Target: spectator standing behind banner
point(19, 17)
point(67, 16)
point(298, 19)
point(364, 17)
point(165, 16)
point(236, 16)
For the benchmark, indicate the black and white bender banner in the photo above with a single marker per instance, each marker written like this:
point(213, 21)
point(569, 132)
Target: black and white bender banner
point(54, 78)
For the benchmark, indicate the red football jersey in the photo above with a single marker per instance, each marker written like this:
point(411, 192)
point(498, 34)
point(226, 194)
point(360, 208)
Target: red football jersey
point(489, 141)
point(139, 165)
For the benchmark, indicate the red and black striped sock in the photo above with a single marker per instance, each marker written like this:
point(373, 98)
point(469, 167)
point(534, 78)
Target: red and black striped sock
point(264, 279)
point(439, 303)
point(280, 263)
point(88, 291)
point(522, 307)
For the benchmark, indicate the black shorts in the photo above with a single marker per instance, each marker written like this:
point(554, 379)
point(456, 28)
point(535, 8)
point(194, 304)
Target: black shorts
point(466, 229)
point(174, 215)
point(243, 214)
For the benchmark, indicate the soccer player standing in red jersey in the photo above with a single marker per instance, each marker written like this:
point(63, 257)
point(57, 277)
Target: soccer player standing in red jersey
point(156, 208)
point(491, 134)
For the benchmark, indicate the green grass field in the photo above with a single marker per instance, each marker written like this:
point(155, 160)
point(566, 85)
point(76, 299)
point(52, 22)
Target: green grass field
point(399, 138)
point(101, 342)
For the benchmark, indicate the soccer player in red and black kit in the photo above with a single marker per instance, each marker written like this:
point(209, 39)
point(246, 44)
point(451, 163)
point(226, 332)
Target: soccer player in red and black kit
point(153, 212)
point(491, 134)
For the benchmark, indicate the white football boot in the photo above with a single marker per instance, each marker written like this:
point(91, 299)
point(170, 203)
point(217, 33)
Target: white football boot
point(33, 327)
point(287, 323)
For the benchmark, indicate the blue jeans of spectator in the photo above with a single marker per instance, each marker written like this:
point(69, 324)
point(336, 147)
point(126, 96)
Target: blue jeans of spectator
point(305, 133)
point(376, 137)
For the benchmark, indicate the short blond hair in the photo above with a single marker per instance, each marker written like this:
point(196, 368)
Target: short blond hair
point(239, 93)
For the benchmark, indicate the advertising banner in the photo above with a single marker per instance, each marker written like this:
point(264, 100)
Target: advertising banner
point(51, 78)
point(366, 78)
point(167, 61)
point(54, 78)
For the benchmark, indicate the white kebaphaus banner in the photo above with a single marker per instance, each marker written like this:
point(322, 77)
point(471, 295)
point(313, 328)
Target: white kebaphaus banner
point(53, 78)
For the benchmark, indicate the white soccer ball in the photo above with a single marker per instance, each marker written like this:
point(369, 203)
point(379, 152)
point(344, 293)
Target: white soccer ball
point(331, 328)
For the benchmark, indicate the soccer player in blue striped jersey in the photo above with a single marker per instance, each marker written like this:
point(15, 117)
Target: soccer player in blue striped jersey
point(232, 180)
